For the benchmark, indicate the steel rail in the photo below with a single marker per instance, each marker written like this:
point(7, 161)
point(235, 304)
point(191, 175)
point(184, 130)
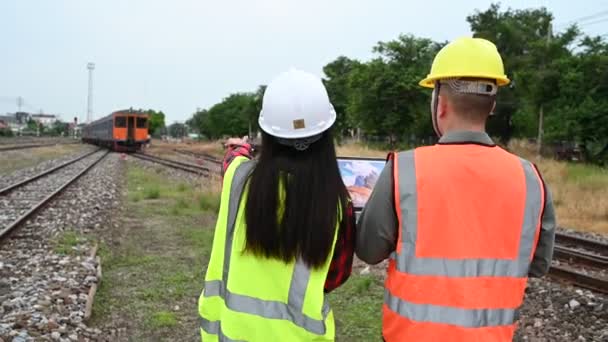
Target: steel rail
point(4, 231)
point(44, 173)
point(192, 168)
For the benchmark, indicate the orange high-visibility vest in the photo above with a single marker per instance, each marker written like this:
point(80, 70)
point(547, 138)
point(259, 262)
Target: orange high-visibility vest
point(469, 220)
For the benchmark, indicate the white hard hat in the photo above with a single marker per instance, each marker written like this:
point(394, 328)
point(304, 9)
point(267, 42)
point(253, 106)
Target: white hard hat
point(296, 106)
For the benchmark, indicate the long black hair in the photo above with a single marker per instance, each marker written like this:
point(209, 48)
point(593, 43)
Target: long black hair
point(303, 222)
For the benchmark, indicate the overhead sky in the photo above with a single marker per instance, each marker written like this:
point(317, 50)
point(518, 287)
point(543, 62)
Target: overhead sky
point(177, 55)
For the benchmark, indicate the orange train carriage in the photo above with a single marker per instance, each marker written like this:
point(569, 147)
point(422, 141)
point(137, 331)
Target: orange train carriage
point(124, 130)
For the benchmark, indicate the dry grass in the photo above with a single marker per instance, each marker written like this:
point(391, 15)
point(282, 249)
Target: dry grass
point(214, 148)
point(359, 150)
point(580, 191)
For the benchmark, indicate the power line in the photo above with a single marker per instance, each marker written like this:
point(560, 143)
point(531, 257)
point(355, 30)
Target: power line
point(594, 22)
point(593, 16)
point(585, 18)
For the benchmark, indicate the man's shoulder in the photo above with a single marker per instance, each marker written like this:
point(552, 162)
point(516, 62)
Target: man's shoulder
point(521, 159)
point(410, 153)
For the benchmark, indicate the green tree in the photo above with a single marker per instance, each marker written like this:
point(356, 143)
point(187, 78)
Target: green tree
point(551, 74)
point(231, 117)
point(157, 121)
point(177, 130)
point(336, 82)
point(384, 95)
point(59, 128)
point(6, 132)
point(196, 120)
point(35, 126)
point(580, 112)
point(256, 107)
point(563, 75)
point(532, 54)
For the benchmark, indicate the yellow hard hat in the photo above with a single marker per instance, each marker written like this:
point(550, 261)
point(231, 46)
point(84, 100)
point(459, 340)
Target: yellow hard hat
point(467, 57)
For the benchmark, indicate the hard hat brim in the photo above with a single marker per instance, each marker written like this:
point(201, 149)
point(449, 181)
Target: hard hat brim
point(429, 82)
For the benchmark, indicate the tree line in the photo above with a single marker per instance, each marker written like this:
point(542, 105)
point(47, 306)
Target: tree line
point(558, 90)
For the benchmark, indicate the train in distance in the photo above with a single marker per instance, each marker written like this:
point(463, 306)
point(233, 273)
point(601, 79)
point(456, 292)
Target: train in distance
point(123, 130)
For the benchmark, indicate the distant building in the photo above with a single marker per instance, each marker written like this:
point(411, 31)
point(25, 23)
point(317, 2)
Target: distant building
point(9, 121)
point(6, 119)
point(44, 119)
point(22, 117)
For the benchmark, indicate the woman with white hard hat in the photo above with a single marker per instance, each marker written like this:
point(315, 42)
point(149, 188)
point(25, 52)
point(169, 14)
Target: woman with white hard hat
point(284, 234)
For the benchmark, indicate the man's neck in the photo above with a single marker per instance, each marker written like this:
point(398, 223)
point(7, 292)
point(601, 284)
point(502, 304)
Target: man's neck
point(463, 126)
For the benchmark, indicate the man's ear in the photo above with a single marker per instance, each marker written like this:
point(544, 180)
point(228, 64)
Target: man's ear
point(442, 106)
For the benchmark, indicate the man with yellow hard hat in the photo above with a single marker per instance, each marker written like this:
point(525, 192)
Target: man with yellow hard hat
point(463, 222)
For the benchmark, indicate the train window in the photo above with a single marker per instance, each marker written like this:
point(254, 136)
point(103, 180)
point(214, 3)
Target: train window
point(141, 122)
point(120, 122)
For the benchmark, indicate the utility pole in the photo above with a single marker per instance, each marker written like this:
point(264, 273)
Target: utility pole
point(541, 112)
point(250, 135)
point(90, 67)
point(19, 104)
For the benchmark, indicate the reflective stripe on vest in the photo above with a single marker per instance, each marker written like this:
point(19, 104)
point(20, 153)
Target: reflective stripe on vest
point(292, 311)
point(425, 286)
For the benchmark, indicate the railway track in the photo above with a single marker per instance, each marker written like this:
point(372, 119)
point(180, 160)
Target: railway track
point(580, 261)
point(21, 200)
point(192, 168)
point(202, 156)
point(23, 147)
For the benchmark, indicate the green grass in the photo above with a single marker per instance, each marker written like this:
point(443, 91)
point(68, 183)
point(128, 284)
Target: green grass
point(154, 274)
point(357, 309)
point(65, 242)
point(209, 202)
point(182, 187)
point(198, 237)
point(135, 197)
point(587, 176)
point(153, 192)
point(159, 261)
point(163, 319)
point(132, 260)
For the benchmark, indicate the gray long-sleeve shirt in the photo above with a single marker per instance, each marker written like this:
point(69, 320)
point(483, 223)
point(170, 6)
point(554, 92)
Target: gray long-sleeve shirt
point(377, 227)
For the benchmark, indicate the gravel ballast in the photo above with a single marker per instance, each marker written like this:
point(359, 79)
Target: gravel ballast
point(46, 280)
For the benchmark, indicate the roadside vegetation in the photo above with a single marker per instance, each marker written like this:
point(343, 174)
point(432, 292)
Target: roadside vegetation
point(153, 268)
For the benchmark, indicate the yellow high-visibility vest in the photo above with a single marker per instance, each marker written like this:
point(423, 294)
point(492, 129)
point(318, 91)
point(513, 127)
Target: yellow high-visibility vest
point(248, 298)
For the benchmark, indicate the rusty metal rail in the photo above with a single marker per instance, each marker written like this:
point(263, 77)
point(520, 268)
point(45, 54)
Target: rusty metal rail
point(579, 279)
point(192, 168)
point(586, 243)
point(580, 258)
point(26, 146)
point(203, 156)
point(578, 253)
point(23, 147)
point(22, 218)
point(44, 173)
